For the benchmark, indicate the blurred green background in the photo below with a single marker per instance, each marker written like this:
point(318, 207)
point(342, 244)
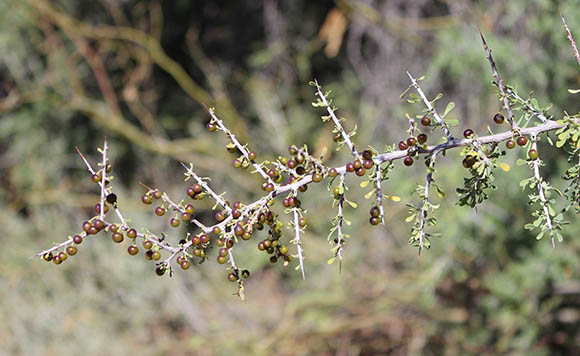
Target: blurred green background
point(138, 71)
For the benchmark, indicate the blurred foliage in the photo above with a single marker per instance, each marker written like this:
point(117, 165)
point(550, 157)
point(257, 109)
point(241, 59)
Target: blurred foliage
point(69, 77)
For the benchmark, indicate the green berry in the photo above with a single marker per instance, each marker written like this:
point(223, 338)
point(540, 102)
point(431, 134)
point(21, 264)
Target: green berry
point(533, 154)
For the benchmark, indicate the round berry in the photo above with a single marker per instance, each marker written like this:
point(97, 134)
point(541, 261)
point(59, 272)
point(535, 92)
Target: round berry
point(197, 188)
point(96, 178)
point(468, 133)
point(411, 141)
point(350, 167)
point(232, 277)
point(98, 208)
point(316, 177)
point(367, 154)
point(189, 209)
point(184, 265)
point(77, 239)
point(360, 172)
point(283, 249)
point(211, 127)
point(147, 244)
point(56, 260)
point(112, 198)
point(185, 216)
point(71, 250)
point(408, 161)
point(498, 118)
point(174, 222)
point(357, 164)
point(160, 271)
point(203, 238)
point(62, 256)
point(252, 155)
point(47, 256)
point(245, 274)
point(273, 259)
point(92, 231)
point(221, 260)
point(86, 226)
point(426, 121)
point(368, 164)
point(468, 161)
point(133, 250)
point(292, 164)
point(156, 194)
point(522, 140)
point(117, 237)
point(195, 240)
point(336, 137)
point(375, 211)
point(533, 154)
point(156, 255)
point(160, 211)
point(403, 145)
point(374, 220)
point(422, 138)
point(99, 224)
point(132, 233)
point(189, 192)
point(510, 144)
point(269, 187)
point(302, 222)
point(146, 199)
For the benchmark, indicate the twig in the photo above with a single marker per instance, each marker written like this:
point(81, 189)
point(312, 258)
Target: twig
point(431, 108)
point(297, 240)
point(379, 192)
point(335, 119)
point(424, 205)
point(536, 167)
point(103, 179)
point(572, 42)
point(239, 146)
point(500, 85)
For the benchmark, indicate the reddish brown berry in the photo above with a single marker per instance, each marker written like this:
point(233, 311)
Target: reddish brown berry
point(132, 233)
point(360, 172)
point(411, 141)
point(350, 167)
point(77, 239)
point(174, 222)
point(468, 133)
point(211, 127)
point(510, 144)
point(156, 194)
point(252, 155)
point(522, 140)
point(422, 138)
point(146, 199)
point(147, 244)
point(47, 256)
point(408, 161)
point(92, 231)
point(71, 250)
point(160, 211)
point(374, 220)
point(117, 237)
point(160, 270)
point(403, 145)
point(375, 211)
point(367, 154)
point(133, 250)
point(426, 121)
point(498, 118)
point(316, 177)
point(184, 265)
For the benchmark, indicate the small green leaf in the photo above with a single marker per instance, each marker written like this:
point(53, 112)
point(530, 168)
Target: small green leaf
point(452, 123)
point(410, 218)
point(448, 109)
point(364, 184)
point(369, 194)
point(331, 260)
point(540, 235)
point(573, 91)
point(352, 204)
